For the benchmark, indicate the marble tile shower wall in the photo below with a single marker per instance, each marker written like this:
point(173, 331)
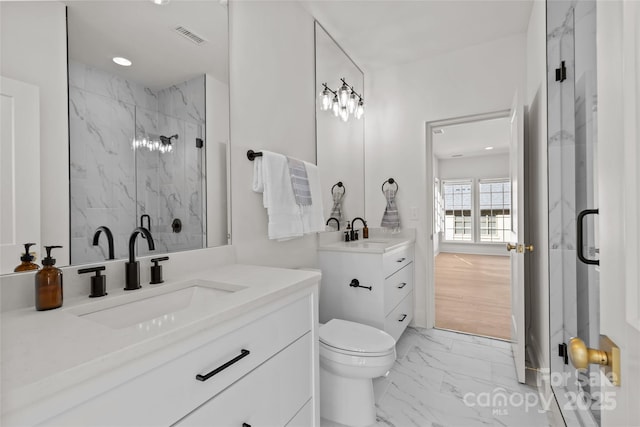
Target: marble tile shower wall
point(113, 185)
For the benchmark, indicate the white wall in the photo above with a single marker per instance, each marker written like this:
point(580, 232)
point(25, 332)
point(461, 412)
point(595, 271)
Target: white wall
point(272, 107)
point(39, 28)
point(473, 80)
point(537, 226)
point(480, 167)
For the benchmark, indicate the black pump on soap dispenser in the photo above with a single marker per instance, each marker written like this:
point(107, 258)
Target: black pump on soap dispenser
point(49, 283)
point(27, 260)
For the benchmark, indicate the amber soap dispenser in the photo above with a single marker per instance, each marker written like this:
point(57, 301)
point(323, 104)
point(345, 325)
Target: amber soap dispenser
point(49, 283)
point(27, 260)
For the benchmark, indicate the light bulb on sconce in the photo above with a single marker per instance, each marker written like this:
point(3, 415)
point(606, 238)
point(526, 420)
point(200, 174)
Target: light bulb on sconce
point(344, 114)
point(351, 105)
point(325, 99)
point(343, 94)
point(335, 106)
point(360, 109)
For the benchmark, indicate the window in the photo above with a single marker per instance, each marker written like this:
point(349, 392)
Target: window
point(495, 214)
point(457, 211)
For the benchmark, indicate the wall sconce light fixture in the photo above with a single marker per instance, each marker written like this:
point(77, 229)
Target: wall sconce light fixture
point(343, 102)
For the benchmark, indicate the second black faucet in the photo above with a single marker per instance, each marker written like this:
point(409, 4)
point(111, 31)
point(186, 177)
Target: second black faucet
point(132, 268)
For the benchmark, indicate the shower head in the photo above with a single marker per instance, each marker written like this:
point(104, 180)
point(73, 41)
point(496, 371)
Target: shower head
point(166, 140)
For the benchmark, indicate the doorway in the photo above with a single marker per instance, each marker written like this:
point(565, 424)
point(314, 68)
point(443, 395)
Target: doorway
point(472, 224)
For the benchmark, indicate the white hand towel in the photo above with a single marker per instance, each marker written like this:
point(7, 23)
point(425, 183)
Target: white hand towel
point(271, 176)
point(312, 215)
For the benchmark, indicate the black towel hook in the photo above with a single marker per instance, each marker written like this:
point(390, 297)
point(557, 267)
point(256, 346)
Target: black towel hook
point(339, 184)
point(390, 181)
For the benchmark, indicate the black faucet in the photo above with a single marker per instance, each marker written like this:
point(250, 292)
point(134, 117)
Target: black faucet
point(336, 220)
point(109, 235)
point(353, 227)
point(132, 268)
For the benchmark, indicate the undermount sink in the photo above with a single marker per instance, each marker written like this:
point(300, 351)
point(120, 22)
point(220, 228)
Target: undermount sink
point(157, 307)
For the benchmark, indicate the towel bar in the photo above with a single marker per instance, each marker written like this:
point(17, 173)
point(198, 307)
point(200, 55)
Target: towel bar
point(251, 155)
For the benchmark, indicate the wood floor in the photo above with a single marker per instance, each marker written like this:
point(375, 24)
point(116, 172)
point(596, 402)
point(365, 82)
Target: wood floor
point(473, 294)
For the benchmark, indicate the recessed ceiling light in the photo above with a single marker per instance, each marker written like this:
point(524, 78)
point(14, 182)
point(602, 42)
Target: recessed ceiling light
point(160, 2)
point(488, 148)
point(122, 61)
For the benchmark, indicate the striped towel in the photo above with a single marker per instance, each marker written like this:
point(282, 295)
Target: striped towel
point(336, 209)
point(299, 181)
point(391, 218)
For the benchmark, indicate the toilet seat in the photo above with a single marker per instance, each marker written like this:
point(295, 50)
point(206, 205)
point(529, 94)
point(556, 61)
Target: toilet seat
point(355, 339)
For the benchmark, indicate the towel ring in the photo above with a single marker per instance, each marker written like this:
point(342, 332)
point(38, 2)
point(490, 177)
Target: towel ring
point(340, 185)
point(390, 181)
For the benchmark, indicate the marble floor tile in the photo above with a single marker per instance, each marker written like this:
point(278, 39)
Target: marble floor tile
point(443, 378)
point(484, 352)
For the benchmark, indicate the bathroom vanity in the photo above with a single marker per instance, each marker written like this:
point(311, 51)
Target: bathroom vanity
point(231, 345)
point(368, 281)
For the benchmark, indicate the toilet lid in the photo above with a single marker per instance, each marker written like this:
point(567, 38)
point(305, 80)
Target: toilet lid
point(355, 337)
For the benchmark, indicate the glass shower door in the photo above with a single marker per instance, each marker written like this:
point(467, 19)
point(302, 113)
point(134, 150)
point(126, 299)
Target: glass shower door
point(572, 149)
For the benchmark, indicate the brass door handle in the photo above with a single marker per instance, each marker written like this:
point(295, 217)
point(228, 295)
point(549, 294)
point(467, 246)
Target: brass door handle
point(511, 247)
point(581, 356)
point(528, 248)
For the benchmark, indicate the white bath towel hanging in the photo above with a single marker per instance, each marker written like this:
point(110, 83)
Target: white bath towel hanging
point(271, 178)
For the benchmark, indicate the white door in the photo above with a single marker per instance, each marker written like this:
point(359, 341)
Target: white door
point(19, 171)
point(618, 45)
point(517, 251)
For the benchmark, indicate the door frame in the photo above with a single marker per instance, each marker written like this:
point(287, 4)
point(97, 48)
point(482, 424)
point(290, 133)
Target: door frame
point(430, 294)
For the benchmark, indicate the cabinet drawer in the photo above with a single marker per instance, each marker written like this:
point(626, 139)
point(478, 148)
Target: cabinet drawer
point(396, 322)
point(304, 417)
point(165, 394)
point(394, 261)
point(397, 286)
point(271, 395)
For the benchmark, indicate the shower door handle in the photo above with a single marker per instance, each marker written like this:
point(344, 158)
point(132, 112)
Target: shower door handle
point(580, 241)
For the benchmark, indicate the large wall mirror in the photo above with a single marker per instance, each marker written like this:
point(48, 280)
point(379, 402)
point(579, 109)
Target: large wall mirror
point(340, 142)
point(148, 133)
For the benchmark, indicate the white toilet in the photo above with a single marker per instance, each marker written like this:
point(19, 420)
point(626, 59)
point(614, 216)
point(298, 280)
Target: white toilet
point(351, 355)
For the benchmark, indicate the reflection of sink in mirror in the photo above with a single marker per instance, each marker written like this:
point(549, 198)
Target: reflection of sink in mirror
point(155, 310)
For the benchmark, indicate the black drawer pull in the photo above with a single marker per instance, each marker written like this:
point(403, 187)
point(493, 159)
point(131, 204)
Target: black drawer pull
point(402, 285)
point(243, 353)
point(401, 259)
point(404, 316)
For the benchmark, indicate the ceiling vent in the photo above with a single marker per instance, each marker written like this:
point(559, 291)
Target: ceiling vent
point(189, 35)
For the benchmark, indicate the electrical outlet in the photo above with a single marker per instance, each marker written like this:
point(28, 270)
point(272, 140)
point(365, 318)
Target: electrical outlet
point(414, 213)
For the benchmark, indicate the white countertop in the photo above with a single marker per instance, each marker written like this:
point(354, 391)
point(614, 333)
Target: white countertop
point(373, 245)
point(45, 352)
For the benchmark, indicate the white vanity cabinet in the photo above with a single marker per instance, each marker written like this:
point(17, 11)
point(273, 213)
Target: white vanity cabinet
point(264, 374)
point(384, 298)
